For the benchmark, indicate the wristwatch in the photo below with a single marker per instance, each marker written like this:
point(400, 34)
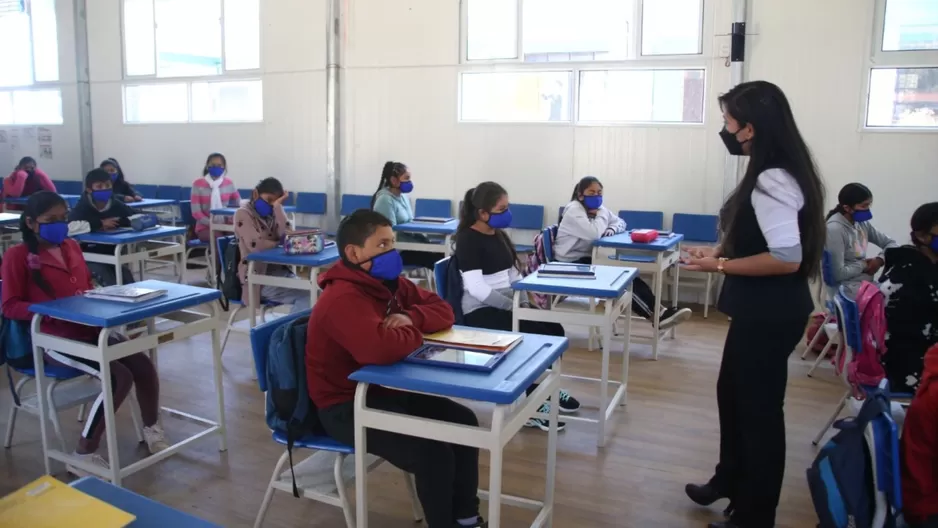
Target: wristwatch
point(720, 265)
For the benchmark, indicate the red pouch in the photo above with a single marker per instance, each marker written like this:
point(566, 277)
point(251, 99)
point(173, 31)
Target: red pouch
point(644, 236)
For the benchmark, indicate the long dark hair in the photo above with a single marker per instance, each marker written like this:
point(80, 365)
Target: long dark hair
point(24, 160)
point(851, 195)
point(776, 143)
point(120, 171)
point(391, 169)
point(483, 197)
point(923, 220)
point(209, 159)
point(579, 188)
point(36, 206)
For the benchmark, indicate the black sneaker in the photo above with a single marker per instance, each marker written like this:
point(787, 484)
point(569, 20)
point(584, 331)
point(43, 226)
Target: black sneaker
point(568, 404)
point(673, 317)
point(480, 523)
point(542, 423)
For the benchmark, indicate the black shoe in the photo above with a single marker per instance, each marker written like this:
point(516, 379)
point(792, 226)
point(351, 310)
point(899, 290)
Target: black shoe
point(723, 524)
point(704, 495)
point(673, 317)
point(541, 423)
point(480, 523)
point(568, 404)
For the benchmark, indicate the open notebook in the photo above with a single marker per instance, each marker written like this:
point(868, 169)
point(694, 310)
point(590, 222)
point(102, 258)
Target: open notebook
point(127, 294)
point(477, 339)
point(49, 503)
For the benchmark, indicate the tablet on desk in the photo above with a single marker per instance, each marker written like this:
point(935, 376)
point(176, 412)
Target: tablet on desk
point(432, 220)
point(456, 357)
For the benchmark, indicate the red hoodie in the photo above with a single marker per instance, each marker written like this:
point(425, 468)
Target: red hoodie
point(346, 333)
point(920, 446)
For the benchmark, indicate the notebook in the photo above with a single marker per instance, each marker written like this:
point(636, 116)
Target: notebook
point(567, 271)
point(127, 294)
point(432, 219)
point(476, 339)
point(49, 503)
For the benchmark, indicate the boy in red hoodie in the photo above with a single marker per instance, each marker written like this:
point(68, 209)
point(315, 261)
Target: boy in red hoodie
point(369, 315)
point(920, 450)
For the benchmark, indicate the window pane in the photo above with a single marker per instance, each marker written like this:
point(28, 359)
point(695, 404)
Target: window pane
point(527, 96)
point(910, 25)
point(906, 97)
point(188, 37)
point(45, 40)
point(6, 108)
point(577, 30)
point(492, 28)
point(156, 103)
point(139, 35)
point(671, 27)
point(227, 101)
point(242, 35)
point(644, 96)
point(37, 107)
point(16, 68)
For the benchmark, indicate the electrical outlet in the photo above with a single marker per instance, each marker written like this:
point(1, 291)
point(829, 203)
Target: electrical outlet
point(724, 49)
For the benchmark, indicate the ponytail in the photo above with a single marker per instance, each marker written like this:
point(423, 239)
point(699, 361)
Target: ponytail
point(390, 170)
point(484, 197)
point(37, 204)
point(580, 187)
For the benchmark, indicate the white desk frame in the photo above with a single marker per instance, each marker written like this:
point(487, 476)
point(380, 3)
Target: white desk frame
point(192, 323)
point(507, 420)
point(601, 313)
point(153, 249)
point(296, 283)
point(446, 248)
point(216, 227)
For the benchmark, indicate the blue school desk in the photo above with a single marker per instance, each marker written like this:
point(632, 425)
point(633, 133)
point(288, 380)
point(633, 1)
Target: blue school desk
point(159, 206)
point(71, 199)
point(137, 247)
point(536, 355)
point(219, 223)
point(276, 256)
point(607, 298)
point(149, 513)
point(654, 257)
point(446, 230)
point(175, 306)
point(9, 229)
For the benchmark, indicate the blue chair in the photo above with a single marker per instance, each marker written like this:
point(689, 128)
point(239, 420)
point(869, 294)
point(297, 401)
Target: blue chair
point(548, 245)
point(354, 202)
point(525, 217)
point(434, 208)
point(313, 204)
point(698, 229)
point(261, 337)
point(146, 190)
point(170, 192)
point(882, 437)
point(440, 270)
point(245, 194)
point(642, 219)
point(236, 305)
point(69, 187)
point(828, 291)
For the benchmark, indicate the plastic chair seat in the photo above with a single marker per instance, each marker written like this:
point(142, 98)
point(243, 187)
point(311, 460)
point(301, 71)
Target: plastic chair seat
point(634, 258)
point(524, 248)
point(323, 443)
point(53, 371)
point(195, 242)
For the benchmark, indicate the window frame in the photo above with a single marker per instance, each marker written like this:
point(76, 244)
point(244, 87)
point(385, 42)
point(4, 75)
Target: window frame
point(35, 85)
point(699, 61)
point(189, 84)
point(877, 59)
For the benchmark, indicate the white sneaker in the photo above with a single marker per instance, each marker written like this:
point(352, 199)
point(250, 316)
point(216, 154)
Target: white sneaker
point(155, 438)
point(673, 317)
point(91, 458)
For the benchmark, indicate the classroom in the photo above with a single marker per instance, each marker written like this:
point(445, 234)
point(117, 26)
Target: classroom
point(627, 263)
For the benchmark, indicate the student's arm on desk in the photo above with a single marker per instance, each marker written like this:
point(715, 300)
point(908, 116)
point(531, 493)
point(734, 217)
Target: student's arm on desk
point(246, 229)
point(426, 309)
point(363, 334)
point(15, 275)
point(122, 212)
point(83, 212)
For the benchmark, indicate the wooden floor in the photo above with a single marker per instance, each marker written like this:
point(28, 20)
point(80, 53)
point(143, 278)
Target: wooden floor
point(667, 436)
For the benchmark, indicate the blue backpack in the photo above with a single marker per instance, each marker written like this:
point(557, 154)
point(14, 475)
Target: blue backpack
point(841, 479)
point(289, 408)
point(454, 289)
point(16, 348)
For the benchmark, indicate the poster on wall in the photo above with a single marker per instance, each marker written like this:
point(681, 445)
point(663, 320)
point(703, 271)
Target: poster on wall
point(44, 135)
point(45, 151)
point(3, 136)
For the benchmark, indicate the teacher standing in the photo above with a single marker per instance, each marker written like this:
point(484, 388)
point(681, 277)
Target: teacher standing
point(772, 240)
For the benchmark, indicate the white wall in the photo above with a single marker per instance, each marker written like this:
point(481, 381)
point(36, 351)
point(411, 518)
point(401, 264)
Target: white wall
point(289, 144)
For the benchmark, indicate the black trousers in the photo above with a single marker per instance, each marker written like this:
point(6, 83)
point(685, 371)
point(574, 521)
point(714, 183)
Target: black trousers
point(643, 299)
point(751, 396)
point(495, 319)
point(931, 522)
point(447, 475)
point(421, 259)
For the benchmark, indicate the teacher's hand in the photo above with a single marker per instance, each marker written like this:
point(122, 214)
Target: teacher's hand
point(708, 264)
point(700, 252)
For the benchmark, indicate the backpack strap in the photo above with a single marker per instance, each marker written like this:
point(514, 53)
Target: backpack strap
point(294, 428)
point(4, 331)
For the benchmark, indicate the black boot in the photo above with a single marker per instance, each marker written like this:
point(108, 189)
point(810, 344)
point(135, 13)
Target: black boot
point(704, 495)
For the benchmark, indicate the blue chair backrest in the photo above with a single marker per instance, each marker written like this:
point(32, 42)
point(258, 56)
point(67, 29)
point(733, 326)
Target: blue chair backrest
point(185, 211)
point(524, 216)
point(851, 321)
point(434, 207)
point(146, 190)
point(69, 187)
point(695, 227)
point(311, 203)
point(439, 276)
point(221, 244)
point(548, 246)
point(642, 219)
point(245, 194)
point(886, 456)
point(827, 269)
point(169, 192)
point(560, 213)
point(260, 339)
point(354, 202)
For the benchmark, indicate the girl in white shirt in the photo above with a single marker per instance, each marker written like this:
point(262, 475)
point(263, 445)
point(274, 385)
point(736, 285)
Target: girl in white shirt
point(584, 220)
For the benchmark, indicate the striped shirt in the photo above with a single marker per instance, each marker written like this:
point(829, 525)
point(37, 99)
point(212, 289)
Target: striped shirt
point(202, 201)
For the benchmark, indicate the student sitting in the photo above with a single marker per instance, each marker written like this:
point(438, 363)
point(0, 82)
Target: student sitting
point(122, 190)
point(369, 315)
point(25, 180)
point(489, 264)
point(848, 233)
point(214, 190)
point(47, 266)
point(910, 284)
point(391, 201)
point(104, 212)
point(919, 446)
point(260, 224)
point(584, 220)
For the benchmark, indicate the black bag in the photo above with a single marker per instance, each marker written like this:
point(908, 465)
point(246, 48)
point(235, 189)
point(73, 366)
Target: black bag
point(228, 280)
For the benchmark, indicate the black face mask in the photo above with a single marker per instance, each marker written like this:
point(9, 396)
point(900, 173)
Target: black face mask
point(733, 146)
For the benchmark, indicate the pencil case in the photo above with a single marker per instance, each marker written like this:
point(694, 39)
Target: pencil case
point(307, 242)
point(141, 222)
point(644, 236)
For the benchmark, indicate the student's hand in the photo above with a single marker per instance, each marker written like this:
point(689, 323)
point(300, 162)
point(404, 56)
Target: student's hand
point(279, 201)
point(873, 265)
point(110, 223)
point(708, 264)
point(137, 199)
point(128, 199)
point(397, 320)
point(701, 252)
point(609, 232)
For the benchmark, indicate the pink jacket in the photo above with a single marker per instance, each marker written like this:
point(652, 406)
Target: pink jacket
point(202, 201)
point(13, 185)
point(257, 234)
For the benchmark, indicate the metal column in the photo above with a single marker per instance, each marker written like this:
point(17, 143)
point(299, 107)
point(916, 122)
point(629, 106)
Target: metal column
point(732, 168)
point(333, 167)
point(83, 84)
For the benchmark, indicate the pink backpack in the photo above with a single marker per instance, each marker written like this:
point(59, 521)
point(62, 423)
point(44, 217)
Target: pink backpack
point(538, 257)
point(866, 369)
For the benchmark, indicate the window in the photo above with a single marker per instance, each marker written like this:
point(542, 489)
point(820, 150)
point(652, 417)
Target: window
point(903, 77)
point(30, 58)
point(207, 45)
point(515, 37)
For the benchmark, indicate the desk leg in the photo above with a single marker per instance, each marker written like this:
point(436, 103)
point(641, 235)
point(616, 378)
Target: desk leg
point(516, 303)
point(656, 317)
point(361, 448)
point(496, 455)
point(110, 421)
point(252, 302)
point(182, 259)
point(219, 386)
point(552, 445)
point(674, 289)
point(117, 267)
point(39, 366)
point(627, 340)
point(606, 344)
point(447, 246)
point(210, 254)
point(314, 286)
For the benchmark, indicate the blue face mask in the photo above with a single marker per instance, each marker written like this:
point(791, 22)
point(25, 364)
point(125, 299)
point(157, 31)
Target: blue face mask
point(54, 232)
point(263, 208)
point(407, 187)
point(114, 177)
point(500, 220)
point(593, 202)
point(934, 243)
point(386, 266)
point(862, 216)
point(216, 172)
point(103, 195)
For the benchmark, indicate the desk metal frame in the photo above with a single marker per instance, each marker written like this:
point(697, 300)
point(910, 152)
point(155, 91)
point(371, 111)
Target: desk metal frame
point(153, 249)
